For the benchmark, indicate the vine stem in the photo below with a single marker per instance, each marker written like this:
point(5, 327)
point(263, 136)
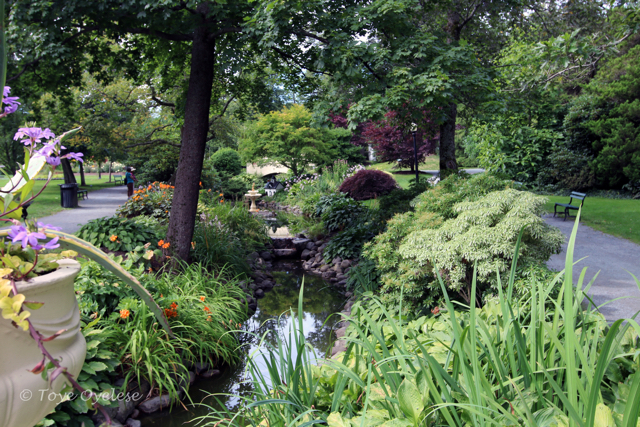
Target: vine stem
point(38, 338)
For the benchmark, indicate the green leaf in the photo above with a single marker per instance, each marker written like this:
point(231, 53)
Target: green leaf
point(410, 401)
point(69, 241)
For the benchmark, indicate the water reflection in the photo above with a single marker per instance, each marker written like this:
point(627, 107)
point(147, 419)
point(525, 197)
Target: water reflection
point(320, 302)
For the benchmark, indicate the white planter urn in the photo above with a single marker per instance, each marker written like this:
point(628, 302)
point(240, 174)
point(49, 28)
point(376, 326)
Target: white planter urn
point(26, 398)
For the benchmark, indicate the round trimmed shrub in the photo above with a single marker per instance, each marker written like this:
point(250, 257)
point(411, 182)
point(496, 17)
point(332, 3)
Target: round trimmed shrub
point(227, 161)
point(368, 184)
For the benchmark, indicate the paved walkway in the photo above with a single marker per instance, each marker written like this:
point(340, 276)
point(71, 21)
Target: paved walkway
point(469, 171)
point(100, 203)
point(611, 256)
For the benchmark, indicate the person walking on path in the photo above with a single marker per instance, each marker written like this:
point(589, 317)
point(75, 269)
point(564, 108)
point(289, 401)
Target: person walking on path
point(129, 179)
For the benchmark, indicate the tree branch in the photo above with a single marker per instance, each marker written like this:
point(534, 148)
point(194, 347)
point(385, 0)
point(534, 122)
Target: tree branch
point(159, 101)
point(290, 58)
point(223, 31)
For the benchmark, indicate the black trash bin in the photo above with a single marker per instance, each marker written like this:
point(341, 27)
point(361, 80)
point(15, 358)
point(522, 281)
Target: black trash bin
point(69, 195)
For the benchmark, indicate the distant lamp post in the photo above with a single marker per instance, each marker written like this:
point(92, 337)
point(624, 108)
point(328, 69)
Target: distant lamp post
point(414, 131)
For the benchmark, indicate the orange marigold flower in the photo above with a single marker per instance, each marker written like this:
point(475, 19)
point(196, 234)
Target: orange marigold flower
point(174, 305)
point(221, 194)
point(166, 245)
point(124, 314)
point(202, 299)
point(113, 238)
point(207, 309)
point(160, 243)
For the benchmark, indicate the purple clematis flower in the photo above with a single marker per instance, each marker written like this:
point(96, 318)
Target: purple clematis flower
point(33, 135)
point(48, 227)
point(74, 156)
point(47, 149)
point(19, 233)
point(53, 161)
point(11, 101)
point(51, 244)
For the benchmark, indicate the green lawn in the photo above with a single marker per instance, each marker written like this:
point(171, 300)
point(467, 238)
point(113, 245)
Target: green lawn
point(619, 217)
point(48, 202)
point(431, 163)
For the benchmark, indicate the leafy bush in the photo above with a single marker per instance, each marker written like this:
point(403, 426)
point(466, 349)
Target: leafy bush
point(207, 309)
point(251, 231)
point(325, 202)
point(341, 213)
point(97, 375)
point(153, 200)
point(116, 234)
point(99, 291)
point(349, 242)
point(368, 184)
point(227, 162)
point(568, 169)
point(363, 277)
point(484, 232)
point(216, 246)
point(461, 220)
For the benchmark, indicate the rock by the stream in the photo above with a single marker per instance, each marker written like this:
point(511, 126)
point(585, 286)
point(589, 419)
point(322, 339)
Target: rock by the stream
point(201, 367)
point(266, 256)
point(305, 254)
point(210, 373)
point(258, 293)
point(155, 404)
point(133, 423)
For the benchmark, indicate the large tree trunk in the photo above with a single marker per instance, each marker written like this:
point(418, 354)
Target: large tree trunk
point(69, 177)
point(194, 136)
point(448, 162)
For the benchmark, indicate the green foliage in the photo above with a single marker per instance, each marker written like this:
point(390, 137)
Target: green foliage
point(226, 161)
point(216, 246)
point(537, 359)
point(306, 225)
point(287, 138)
point(25, 262)
point(116, 234)
point(458, 222)
point(154, 201)
point(208, 308)
point(251, 231)
point(97, 376)
point(615, 126)
point(99, 291)
point(363, 277)
point(341, 213)
point(483, 234)
point(146, 350)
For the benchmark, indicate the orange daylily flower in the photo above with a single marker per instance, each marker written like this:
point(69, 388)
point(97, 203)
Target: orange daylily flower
point(207, 309)
point(202, 299)
point(124, 314)
point(113, 238)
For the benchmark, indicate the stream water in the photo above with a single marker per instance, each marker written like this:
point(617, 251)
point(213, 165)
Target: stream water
point(320, 302)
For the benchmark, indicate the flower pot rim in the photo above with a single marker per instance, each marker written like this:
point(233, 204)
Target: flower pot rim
point(66, 268)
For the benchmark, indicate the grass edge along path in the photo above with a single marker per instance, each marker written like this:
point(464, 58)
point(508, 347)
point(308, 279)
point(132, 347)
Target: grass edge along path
point(618, 217)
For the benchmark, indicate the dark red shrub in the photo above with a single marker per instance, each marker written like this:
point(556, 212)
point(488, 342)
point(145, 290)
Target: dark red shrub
point(368, 184)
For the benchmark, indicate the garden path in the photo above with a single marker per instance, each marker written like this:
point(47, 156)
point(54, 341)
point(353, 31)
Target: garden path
point(611, 256)
point(100, 203)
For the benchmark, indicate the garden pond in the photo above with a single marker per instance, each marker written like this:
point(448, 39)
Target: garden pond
point(321, 305)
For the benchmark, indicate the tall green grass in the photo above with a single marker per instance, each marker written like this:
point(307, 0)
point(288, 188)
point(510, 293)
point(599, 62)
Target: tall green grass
point(537, 361)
